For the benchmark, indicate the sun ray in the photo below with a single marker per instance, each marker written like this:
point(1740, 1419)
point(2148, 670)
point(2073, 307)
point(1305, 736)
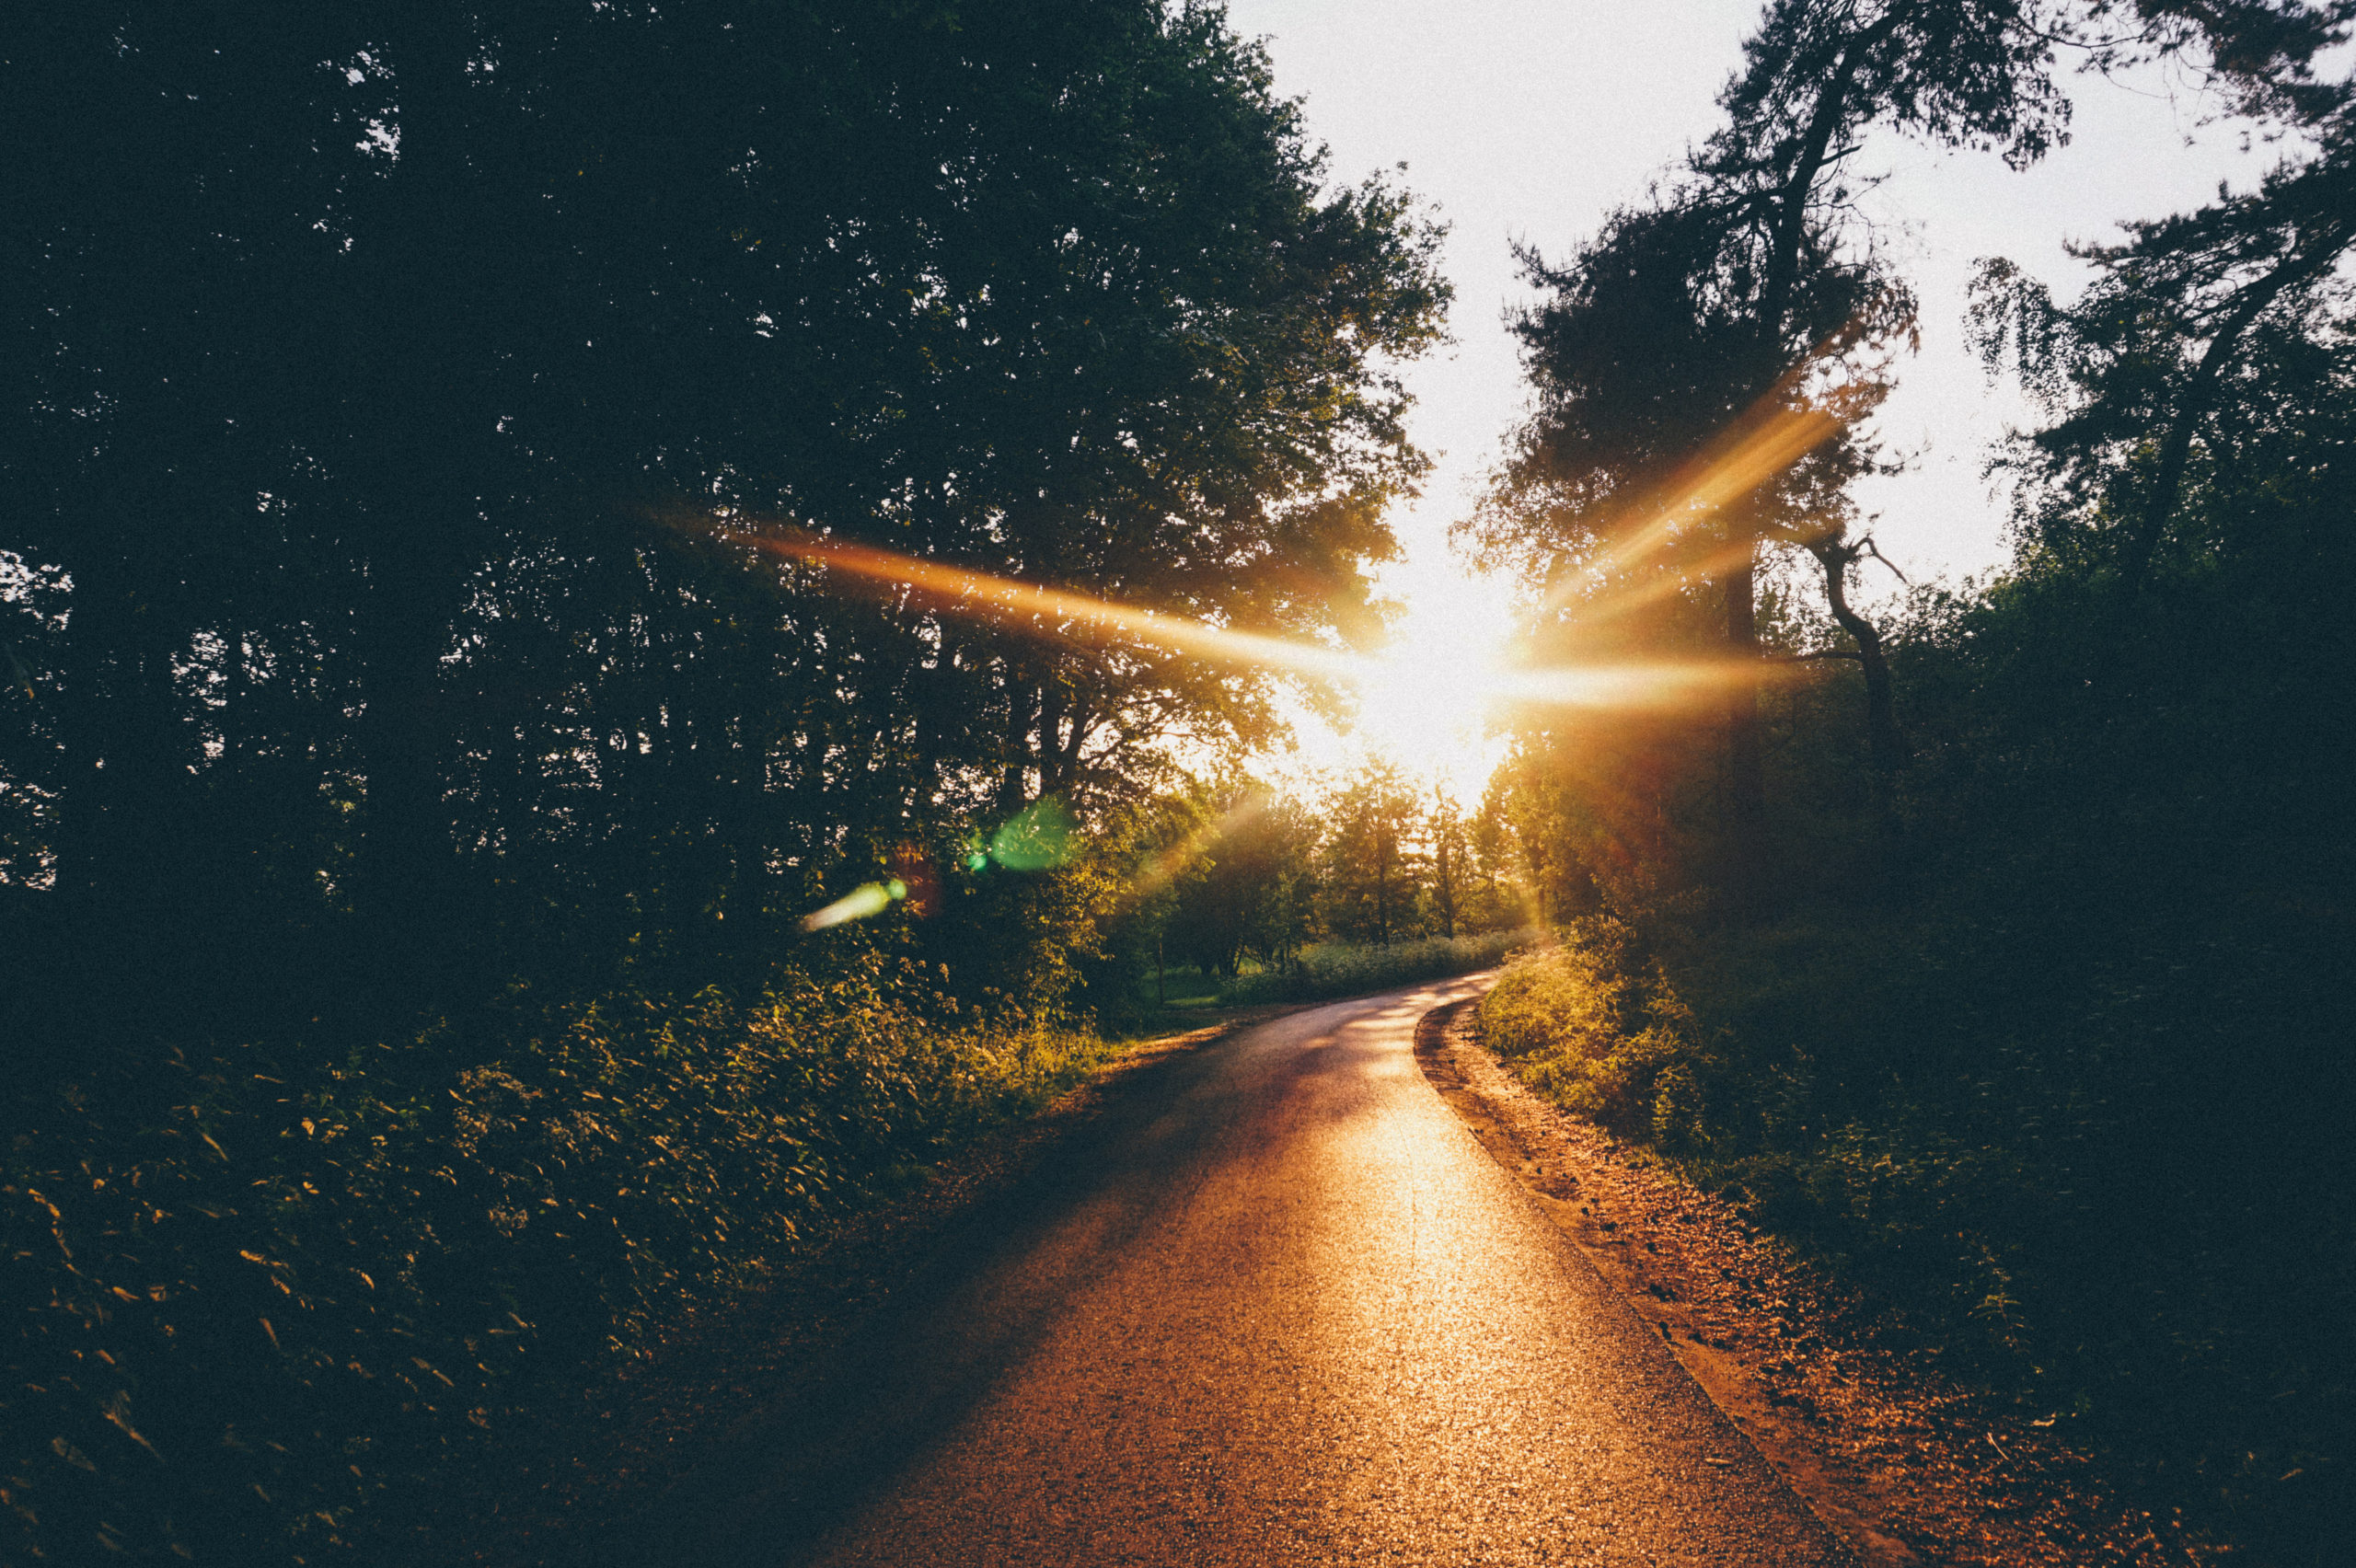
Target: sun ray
point(1435, 694)
point(1754, 451)
point(1160, 869)
point(957, 590)
point(1080, 617)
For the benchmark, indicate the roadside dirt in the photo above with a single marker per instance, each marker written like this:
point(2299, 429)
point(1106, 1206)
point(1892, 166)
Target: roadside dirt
point(561, 1472)
point(1835, 1393)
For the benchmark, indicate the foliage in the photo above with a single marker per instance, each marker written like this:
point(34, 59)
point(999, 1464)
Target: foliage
point(412, 805)
point(2066, 1082)
point(1596, 1038)
point(1248, 890)
point(2033, 1020)
point(382, 377)
point(293, 1283)
point(1239, 877)
point(1371, 866)
point(1346, 969)
point(2188, 327)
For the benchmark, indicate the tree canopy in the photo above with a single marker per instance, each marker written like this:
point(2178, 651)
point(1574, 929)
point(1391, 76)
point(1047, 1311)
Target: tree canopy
point(376, 377)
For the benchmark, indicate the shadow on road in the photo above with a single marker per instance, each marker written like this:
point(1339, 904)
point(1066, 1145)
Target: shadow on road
point(978, 1308)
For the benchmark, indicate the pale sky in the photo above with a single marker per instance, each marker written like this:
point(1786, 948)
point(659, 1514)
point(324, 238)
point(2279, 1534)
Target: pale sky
point(1522, 120)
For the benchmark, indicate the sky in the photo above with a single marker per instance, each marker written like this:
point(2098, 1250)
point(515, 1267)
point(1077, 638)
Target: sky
point(1528, 120)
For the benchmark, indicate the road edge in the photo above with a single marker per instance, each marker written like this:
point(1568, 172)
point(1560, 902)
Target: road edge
point(1825, 1483)
point(682, 1407)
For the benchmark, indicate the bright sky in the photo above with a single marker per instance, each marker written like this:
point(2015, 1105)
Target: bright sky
point(1531, 120)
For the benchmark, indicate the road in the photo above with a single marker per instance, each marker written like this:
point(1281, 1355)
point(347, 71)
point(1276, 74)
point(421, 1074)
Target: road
point(1274, 1305)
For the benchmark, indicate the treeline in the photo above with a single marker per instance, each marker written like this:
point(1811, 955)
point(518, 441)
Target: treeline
point(1992, 937)
point(1256, 875)
point(417, 780)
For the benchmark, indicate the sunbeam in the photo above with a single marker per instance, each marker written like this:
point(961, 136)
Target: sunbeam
point(1764, 442)
point(1472, 684)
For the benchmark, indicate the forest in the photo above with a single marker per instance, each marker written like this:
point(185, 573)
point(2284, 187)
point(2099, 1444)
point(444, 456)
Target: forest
point(485, 869)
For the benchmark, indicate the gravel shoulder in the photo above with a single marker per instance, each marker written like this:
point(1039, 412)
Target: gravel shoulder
point(1908, 1465)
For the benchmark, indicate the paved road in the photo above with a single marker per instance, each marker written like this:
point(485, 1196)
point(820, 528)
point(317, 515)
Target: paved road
point(1275, 1307)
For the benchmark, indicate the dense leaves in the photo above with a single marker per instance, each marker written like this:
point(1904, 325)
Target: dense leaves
point(237, 1327)
point(1248, 879)
point(356, 364)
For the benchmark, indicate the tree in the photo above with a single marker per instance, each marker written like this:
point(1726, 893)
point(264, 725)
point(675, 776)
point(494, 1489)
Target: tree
point(2160, 344)
point(1450, 874)
point(356, 356)
point(1247, 892)
point(1372, 871)
point(1699, 367)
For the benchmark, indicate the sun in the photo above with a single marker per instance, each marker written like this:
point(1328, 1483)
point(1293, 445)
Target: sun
point(1425, 701)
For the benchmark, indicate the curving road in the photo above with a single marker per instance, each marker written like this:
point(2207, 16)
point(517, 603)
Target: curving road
point(1275, 1306)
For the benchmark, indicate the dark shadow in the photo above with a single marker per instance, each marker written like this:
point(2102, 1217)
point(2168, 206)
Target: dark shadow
point(977, 1308)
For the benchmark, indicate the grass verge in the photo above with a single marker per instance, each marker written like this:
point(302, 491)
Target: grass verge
point(1327, 970)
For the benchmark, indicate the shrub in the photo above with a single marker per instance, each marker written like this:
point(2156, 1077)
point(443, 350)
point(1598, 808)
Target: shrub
point(1596, 1029)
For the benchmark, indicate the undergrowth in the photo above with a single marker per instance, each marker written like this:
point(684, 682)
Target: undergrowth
point(1349, 969)
point(292, 1287)
point(2128, 1213)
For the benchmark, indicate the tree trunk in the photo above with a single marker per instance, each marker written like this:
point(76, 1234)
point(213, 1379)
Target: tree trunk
point(1022, 701)
point(121, 925)
point(1746, 751)
point(1745, 765)
point(1447, 891)
point(1885, 741)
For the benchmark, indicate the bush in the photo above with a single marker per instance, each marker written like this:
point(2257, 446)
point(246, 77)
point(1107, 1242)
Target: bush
point(2106, 1180)
point(1762, 1060)
point(1595, 1026)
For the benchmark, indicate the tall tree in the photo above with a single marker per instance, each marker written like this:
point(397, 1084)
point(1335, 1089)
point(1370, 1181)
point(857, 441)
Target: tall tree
point(1247, 893)
point(354, 353)
point(1749, 293)
point(2150, 365)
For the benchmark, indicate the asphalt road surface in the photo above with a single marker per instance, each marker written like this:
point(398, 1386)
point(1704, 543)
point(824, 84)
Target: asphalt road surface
point(1274, 1305)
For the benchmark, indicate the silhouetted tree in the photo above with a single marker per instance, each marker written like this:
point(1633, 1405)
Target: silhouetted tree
point(359, 357)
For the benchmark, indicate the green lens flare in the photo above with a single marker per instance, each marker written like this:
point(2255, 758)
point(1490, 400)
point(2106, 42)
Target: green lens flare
point(1036, 840)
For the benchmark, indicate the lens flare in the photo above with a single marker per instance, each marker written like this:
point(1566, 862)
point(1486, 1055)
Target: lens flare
point(1078, 617)
point(1039, 837)
point(857, 905)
